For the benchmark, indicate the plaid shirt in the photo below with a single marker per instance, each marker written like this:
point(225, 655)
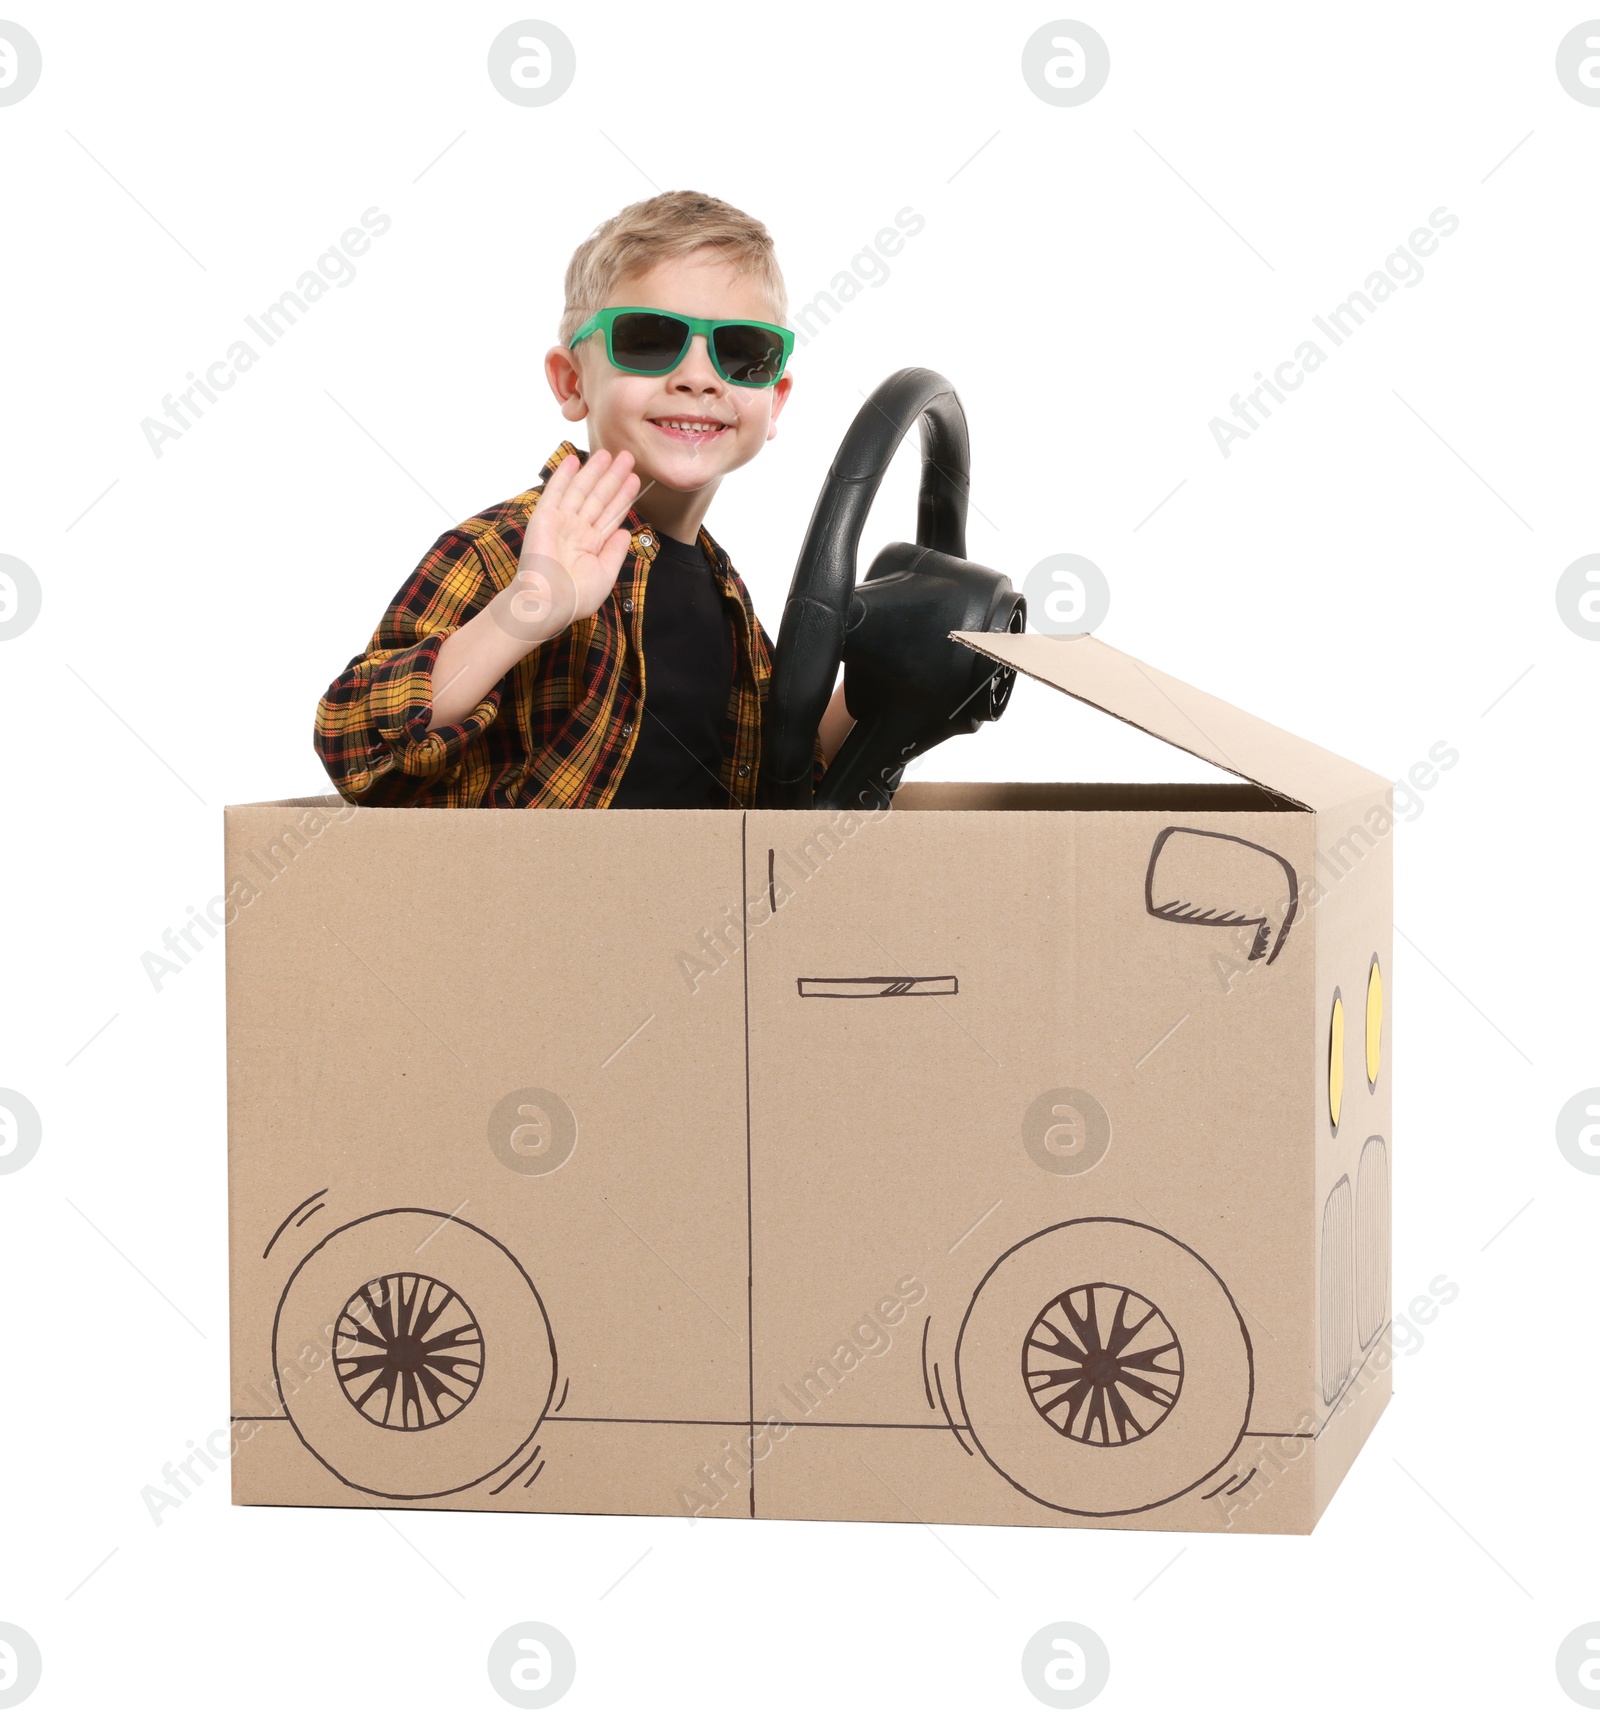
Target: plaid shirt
point(561, 726)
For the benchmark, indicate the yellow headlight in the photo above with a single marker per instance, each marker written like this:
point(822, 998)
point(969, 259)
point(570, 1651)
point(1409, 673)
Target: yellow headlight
point(1374, 1023)
point(1336, 1058)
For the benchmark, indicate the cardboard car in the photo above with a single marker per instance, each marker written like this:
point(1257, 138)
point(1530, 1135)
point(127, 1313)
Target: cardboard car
point(1017, 1155)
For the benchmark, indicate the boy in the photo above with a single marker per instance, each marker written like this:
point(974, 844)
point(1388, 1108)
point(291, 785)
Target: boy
point(520, 664)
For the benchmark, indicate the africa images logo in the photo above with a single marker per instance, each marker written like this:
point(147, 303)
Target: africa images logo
point(1401, 269)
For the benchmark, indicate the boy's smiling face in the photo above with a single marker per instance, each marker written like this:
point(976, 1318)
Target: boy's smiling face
point(690, 427)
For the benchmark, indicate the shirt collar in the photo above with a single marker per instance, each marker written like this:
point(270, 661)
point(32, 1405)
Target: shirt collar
point(557, 457)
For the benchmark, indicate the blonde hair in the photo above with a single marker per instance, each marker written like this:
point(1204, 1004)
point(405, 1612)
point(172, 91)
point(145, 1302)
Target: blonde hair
point(669, 225)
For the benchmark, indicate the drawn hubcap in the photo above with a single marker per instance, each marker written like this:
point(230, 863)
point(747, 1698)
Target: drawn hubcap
point(408, 1352)
point(1102, 1365)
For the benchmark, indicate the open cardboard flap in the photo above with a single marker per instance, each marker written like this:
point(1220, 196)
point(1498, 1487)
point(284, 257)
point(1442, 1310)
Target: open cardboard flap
point(1193, 720)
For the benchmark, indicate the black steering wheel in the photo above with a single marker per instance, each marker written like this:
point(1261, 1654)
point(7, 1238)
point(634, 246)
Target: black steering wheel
point(907, 685)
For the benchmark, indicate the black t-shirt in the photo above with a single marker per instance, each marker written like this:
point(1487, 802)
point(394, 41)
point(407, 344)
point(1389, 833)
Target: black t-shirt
point(688, 658)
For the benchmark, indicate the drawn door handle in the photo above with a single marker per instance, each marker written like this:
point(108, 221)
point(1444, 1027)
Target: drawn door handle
point(878, 986)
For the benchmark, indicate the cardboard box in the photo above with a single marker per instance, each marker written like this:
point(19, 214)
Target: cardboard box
point(1019, 1155)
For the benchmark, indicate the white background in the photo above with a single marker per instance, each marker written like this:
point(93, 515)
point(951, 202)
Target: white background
point(1374, 568)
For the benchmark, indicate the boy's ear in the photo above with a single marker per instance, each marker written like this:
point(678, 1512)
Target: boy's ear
point(780, 395)
point(566, 382)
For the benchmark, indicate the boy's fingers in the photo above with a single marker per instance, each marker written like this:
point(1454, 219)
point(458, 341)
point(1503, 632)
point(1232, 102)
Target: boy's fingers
point(604, 492)
point(621, 505)
point(559, 481)
point(585, 481)
point(614, 552)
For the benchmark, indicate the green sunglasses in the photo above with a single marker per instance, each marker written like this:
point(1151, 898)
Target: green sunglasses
point(649, 341)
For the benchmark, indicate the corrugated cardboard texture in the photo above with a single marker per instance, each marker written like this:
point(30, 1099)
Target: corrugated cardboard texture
point(1018, 1156)
point(396, 976)
point(865, 1115)
point(1355, 876)
point(1194, 720)
point(898, 1150)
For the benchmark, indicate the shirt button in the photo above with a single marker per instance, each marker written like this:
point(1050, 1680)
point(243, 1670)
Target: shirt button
point(627, 728)
point(627, 607)
point(744, 769)
point(645, 541)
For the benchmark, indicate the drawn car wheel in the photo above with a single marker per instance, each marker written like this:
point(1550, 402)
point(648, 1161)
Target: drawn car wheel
point(414, 1354)
point(1103, 1368)
point(407, 1351)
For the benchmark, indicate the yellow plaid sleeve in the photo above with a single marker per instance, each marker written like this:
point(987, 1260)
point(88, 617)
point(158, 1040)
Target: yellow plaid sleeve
point(374, 731)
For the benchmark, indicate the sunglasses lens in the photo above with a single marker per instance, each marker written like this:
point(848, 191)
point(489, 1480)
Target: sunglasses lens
point(749, 355)
point(647, 342)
